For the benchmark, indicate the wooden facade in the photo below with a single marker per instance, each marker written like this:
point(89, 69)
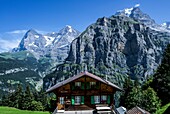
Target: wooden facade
point(84, 90)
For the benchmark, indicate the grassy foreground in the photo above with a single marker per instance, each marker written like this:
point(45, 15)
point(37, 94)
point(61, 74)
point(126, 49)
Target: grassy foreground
point(163, 109)
point(10, 110)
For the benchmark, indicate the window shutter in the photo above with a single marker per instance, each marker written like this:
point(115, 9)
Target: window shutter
point(92, 99)
point(82, 99)
point(88, 85)
point(108, 99)
point(97, 85)
point(73, 86)
point(72, 100)
point(82, 85)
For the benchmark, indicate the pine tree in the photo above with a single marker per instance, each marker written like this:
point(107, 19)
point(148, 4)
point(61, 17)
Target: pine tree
point(28, 99)
point(41, 97)
point(134, 98)
point(14, 99)
point(5, 100)
point(18, 97)
point(128, 85)
point(150, 100)
point(161, 79)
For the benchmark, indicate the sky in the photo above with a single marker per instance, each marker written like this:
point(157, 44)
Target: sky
point(18, 16)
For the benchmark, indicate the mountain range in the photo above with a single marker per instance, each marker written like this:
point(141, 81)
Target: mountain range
point(129, 43)
point(53, 45)
point(34, 58)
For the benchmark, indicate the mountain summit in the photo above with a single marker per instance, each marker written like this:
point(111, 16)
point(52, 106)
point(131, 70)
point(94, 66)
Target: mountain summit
point(137, 14)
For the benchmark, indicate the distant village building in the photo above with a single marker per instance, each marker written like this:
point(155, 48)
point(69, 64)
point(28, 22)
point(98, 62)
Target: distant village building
point(84, 91)
point(137, 110)
point(121, 110)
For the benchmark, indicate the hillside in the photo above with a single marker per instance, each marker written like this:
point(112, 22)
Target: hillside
point(22, 67)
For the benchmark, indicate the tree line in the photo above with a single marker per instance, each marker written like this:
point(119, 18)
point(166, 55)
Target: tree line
point(28, 100)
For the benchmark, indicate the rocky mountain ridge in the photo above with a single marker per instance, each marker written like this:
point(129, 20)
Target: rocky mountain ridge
point(118, 46)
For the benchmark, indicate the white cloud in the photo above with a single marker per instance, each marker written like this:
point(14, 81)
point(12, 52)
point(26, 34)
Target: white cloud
point(41, 32)
point(137, 5)
point(6, 45)
point(17, 32)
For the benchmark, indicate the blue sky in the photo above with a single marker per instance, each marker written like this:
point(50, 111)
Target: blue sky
point(17, 16)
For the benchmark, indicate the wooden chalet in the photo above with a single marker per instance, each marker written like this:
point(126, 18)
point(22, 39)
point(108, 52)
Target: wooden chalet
point(83, 92)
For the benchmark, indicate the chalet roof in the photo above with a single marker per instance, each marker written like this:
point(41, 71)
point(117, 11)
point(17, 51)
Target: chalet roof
point(137, 110)
point(80, 75)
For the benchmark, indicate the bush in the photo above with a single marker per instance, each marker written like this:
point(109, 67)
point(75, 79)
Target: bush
point(146, 99)
point(36, 106)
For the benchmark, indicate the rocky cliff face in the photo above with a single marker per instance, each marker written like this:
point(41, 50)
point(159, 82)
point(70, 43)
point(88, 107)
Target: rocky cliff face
point(120, 44)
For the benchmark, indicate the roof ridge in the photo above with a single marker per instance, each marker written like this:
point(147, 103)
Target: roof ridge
point(80, 75)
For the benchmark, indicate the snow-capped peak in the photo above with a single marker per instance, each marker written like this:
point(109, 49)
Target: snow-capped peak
point(32, 31)
point(68, 30)
point(54, 44)
point(127, 11)
point(68, 26)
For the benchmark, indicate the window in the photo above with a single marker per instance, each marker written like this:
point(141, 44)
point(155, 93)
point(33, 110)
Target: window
point(61, 100)
point(103, 99)
point(77, 100)
point(92, 84)
point(78, 84)
point(96, 99)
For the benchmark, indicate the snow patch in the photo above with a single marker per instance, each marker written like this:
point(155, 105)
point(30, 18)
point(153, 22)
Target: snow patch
point(28, 54)
point(63, 46)
point(164, 24)
point(32, 44)
point(128, 11)
point(49, 40)
point(36, 36)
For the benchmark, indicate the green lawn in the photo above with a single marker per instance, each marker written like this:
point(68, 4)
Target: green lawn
point(163, 109)
point(10, 110)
